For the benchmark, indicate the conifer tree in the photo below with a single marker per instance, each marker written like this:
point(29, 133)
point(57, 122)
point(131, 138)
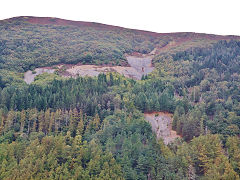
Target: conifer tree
point(175, 119)
point(2, 121)
point(47, 116)
point(51, 123)
point(96, 122)
point(80, 127)
point(57, 121)
point(22, 120)
point(204, 161)
point(9, 120)
point(33, 118)
point(40, 121)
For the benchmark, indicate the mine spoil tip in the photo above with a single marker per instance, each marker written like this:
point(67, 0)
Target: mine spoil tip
point(139, 66)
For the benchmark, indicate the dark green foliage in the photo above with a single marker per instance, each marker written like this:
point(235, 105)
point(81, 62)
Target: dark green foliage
point(88, 94)
point(93, 128)
point(154, 95)
point(25, 46)
point(209, 79)
point(92, 109)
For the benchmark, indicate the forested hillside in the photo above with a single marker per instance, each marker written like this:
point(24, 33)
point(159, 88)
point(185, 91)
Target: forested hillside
point(28, 42)
point(94, 127)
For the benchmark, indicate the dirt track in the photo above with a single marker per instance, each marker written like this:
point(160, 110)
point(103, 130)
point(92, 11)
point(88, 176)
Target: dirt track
point(162, 126)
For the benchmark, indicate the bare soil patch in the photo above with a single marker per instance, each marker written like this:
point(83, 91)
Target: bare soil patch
point(30, 75)
point(139, 66)
point(162, 125)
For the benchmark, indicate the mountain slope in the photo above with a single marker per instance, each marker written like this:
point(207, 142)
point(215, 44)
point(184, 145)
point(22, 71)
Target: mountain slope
point(99, 127)
point(29, 42)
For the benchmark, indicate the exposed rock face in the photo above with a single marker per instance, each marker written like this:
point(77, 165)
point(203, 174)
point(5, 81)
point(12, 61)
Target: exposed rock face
point(139, 66)
point(143, 65)
point(162, 126)
point(29, 75)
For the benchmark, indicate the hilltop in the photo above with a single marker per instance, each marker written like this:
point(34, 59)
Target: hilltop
point(30, 42)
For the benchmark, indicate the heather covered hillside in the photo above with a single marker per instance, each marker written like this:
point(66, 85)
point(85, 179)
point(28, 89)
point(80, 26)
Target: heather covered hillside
point(30, 42)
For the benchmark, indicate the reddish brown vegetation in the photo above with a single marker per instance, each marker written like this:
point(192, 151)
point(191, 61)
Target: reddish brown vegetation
point(178, 37)
point(173, 39)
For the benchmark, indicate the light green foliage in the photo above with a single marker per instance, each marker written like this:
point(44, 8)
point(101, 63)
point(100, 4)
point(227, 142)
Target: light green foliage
point(45, 78)
point(94, 128)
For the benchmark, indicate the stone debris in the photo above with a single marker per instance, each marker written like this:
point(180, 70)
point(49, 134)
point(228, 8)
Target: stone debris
point(162, 125)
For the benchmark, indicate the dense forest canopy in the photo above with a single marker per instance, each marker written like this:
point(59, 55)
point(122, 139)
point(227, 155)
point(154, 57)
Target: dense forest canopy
point(93, 127)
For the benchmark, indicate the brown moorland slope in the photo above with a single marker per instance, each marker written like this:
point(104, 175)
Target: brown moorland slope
point(178, 38)
point(28, 42)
